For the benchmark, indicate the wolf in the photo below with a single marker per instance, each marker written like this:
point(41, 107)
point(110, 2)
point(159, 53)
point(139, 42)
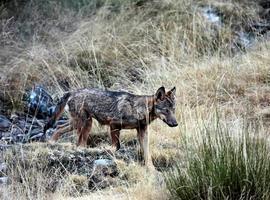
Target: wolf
point(117, 109)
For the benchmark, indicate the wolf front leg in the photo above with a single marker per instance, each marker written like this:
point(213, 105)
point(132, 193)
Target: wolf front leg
point(115, 134)
point(143, 138)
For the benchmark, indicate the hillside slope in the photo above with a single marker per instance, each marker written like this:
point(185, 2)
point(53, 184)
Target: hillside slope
point(215, 52)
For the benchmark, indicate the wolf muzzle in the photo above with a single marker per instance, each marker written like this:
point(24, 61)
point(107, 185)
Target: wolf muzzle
point(171, 123)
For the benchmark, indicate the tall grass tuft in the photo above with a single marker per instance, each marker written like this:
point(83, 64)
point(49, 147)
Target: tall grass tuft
point(223, 166)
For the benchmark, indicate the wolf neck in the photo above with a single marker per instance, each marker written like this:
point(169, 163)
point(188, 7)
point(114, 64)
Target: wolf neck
point(150, 101)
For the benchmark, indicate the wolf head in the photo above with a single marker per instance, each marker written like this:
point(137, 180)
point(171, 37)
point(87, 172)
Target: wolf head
point(165, 106)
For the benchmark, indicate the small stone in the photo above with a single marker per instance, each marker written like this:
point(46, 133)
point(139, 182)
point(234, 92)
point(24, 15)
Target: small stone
point(8, 139)
point(103, 162)
point(3, 180)
point(38, 137)
point(211, 15)
point(104, 171)
point(49, 133)
point(3, 167)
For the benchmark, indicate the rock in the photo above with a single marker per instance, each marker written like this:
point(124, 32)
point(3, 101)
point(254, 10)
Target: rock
point(51, 110)
point(4, 123)
point(23, 128)
point(24, 121)
point(50, 131)
point(261, 28)
point(49, 134)
point(104, 171)
point(4, 146)
point(3, 167)
point(61, 121)
point(265, 4)
point(38, 137)
point(35, 131)
point(212, 15)
point(3, 180)
point(40, 103)
point(103, 162)
point(15, 131)
point(244, 39)
point(8, 139)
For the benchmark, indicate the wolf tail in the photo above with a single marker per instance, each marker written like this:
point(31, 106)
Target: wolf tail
point(57, 112)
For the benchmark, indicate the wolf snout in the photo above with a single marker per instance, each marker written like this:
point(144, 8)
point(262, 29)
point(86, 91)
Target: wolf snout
point(174, 124)
point(171, 123)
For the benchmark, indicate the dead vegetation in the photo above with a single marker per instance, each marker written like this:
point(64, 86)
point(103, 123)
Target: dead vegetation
point(217, 66)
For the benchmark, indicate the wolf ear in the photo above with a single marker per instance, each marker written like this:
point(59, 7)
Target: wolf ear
point(172, 92)
point(160, 94)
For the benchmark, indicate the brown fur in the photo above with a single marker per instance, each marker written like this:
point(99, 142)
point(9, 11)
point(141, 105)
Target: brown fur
point(119, 110)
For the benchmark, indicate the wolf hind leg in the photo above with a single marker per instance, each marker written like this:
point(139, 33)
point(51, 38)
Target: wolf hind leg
point(84, 131)
point(60, 130)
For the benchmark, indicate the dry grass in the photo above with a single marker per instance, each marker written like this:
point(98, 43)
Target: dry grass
point(139, 49)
